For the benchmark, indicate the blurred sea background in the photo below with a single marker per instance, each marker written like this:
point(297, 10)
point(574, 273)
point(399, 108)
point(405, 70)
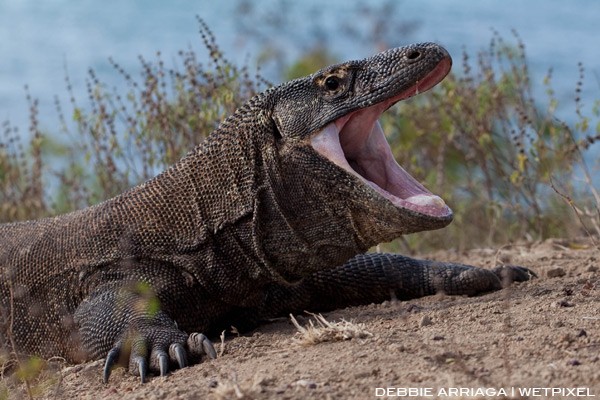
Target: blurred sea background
point(41, 41)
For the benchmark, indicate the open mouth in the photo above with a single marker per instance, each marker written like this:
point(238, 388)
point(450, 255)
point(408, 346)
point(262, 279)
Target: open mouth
point(356, 143)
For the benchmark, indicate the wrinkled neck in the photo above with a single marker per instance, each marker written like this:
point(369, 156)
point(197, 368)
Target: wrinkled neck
point(294, 222)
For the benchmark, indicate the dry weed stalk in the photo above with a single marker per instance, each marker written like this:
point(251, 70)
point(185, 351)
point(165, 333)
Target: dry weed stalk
point(589, 213)
point(230, 388)
point(222, 347)
point(325, 331)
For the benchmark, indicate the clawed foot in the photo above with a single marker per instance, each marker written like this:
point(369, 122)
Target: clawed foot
point(174, 351)
point(513, 273)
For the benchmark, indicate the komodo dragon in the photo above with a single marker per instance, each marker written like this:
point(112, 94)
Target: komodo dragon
point(255, 222)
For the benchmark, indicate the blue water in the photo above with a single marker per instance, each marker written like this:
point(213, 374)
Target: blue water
point(39, 39)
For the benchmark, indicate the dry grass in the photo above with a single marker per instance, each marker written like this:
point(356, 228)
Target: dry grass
point(230, 388)
point(320, 330)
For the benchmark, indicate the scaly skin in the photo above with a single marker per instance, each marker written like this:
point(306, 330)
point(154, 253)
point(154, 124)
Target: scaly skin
point(263, 218)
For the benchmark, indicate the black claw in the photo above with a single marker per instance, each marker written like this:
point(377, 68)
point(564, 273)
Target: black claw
point(142, 367)
point(198, 341)
point(111, 360)
point(178, 353)
point(209, 349)
point(163, 363)
point(140, 363)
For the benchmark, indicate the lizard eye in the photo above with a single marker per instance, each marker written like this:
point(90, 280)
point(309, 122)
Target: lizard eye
point(413, 55)
point(332, 83)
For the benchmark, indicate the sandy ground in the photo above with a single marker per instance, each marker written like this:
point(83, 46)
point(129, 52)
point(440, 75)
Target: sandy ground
point(539, 334)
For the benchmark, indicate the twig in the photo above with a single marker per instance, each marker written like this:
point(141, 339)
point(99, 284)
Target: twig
point(577, 211)
point(222, 348)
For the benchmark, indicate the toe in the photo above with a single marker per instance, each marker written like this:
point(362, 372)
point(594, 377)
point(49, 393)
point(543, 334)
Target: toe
point(163, 362)
point(199, 344)
point(111, 360)
point(177, 353)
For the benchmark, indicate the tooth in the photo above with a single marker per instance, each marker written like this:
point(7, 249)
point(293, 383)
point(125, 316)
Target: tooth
point(427, 200)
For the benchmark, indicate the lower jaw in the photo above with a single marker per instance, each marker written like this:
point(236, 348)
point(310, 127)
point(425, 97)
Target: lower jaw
point(391, 222)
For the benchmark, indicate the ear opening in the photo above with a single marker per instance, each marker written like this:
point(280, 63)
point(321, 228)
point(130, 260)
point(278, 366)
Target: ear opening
point(276, 132)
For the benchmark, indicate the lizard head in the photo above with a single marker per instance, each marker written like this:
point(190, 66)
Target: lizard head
point(355, 142)
point(339, 187)
point(340, 124)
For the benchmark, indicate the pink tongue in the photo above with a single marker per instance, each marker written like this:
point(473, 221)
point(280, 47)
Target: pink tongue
point(371, 156)
point(427, 200)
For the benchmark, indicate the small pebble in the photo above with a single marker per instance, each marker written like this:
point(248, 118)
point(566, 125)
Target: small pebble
point(555, 272)
point(567, 338)
point(592, 268)
point(565, 303)
point(396, 347)
point(413, 308)
point(306, 383)
point(425, 321)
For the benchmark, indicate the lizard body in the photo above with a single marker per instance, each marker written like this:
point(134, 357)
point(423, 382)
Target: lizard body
point(270, 214)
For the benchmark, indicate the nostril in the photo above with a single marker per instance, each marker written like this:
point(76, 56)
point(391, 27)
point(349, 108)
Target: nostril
point(413, 55)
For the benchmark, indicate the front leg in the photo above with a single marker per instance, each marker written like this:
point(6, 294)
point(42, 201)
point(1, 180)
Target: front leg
point(376, 277)
point(127, 321)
